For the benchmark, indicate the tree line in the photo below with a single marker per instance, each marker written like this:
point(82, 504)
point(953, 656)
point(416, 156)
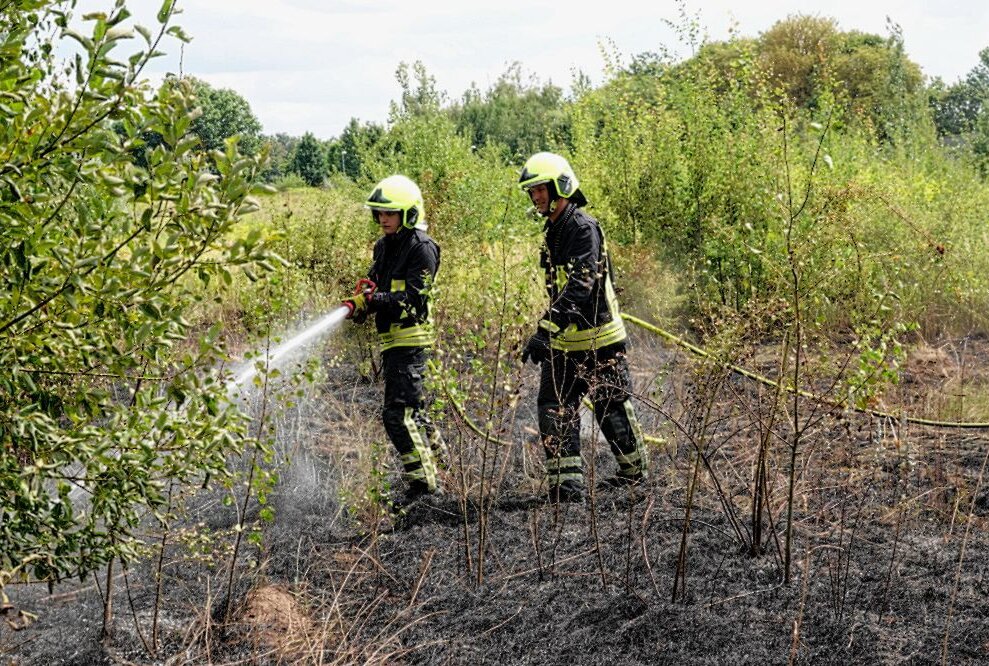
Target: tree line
point(806, 58)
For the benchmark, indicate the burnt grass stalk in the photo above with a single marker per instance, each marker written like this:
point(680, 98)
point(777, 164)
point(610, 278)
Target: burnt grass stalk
point(880, 576)
point(664, 573)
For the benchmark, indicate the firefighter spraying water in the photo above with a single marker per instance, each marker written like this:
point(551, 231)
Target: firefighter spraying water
point(397, 292)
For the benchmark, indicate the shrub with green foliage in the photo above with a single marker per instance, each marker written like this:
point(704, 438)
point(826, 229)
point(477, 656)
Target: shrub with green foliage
point(106, 394)
point(706, 162)
point(666, 160)
point(325, 237)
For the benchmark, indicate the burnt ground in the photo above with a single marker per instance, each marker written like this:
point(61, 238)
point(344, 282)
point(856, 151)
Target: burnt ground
point(889, 561)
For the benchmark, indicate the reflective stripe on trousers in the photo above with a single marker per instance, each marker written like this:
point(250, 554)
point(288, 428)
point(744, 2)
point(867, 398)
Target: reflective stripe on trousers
point(604, 375)
point(406, 418)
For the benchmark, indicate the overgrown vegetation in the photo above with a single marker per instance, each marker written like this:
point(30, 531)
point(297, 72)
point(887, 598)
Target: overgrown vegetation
point(108, 396)
point(799, 203)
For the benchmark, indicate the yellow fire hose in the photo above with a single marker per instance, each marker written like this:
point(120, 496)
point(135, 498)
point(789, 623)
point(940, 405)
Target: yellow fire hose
point(680, 342)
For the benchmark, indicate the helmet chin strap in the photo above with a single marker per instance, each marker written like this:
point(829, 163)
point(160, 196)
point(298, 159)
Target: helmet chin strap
point(550, 210)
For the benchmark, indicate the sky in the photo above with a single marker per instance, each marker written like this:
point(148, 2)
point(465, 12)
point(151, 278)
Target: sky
point(312, 65)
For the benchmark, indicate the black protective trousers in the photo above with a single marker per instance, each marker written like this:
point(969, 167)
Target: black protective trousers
point(406, 418)
point(602, 374)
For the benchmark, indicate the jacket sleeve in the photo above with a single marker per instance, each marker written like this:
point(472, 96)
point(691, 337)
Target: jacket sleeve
point(582, 265)
point(423, 263)
point(360, 316)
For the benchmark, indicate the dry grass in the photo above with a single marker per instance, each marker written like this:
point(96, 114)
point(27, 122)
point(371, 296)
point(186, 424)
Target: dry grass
point(272, 621)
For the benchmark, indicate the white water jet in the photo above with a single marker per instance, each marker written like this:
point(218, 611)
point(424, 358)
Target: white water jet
point(276, 357)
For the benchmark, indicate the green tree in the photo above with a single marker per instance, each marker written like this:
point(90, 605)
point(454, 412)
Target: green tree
point(796, 53)
point(954, 107)
point(807, 57)
point(309, 160)
point(333, 148)
point(224, 114)
point(524, 117)
point(814, 65)
point(419, 93)
point(959, 109)
point(103, 404)
point(281, 149)
point(355, 140)
point(898, 107)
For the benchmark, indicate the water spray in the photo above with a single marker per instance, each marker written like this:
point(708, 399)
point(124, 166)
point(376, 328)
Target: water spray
point(276, 357)
point(358, 302)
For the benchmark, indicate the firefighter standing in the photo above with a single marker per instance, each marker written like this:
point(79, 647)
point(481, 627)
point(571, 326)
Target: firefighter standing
point(580, 342)
point(397, 291)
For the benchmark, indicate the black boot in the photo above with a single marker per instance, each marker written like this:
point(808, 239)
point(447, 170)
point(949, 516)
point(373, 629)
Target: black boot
point(415, 492)
point(621, 481)
point(567, 492)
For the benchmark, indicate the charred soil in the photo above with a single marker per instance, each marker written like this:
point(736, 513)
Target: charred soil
point(888, 560)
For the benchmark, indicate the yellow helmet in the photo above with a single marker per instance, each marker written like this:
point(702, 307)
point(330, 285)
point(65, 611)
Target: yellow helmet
point(551, 169)
point(399, 193)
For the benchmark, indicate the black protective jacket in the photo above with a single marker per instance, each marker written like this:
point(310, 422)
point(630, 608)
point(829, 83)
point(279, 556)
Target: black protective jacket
point(577, 271)
point(404, 267)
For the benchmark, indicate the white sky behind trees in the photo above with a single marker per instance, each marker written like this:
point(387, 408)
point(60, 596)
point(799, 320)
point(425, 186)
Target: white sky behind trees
point(311, 65)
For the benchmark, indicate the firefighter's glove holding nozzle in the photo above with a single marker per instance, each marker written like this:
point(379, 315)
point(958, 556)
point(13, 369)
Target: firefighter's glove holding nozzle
point(537, 348)
point(358, 304)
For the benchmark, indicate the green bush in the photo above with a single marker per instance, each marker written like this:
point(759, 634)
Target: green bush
point(104, 404)
point(731, 182)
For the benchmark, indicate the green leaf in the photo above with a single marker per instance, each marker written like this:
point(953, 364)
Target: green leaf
point(150, 309)
point(178, 33)
point(144, 32)
point(86, 42)
point(119, 32)
point(166, 11)
point(121, 14)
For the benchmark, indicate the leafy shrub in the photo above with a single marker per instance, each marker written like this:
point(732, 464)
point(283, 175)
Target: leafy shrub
point(109, 240)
